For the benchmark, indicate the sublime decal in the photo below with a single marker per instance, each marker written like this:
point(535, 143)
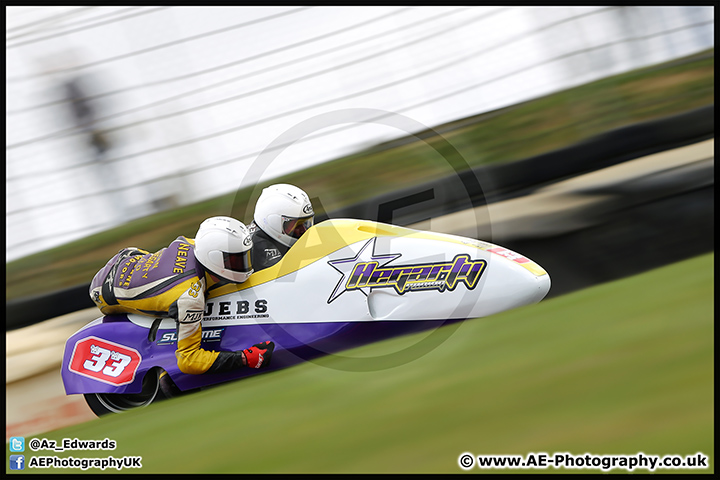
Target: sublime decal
point(208, 335)
point(375, 272)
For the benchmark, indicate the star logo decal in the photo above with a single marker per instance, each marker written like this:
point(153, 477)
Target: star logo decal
point(346, 265)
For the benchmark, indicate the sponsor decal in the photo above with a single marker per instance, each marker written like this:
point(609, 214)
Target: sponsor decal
point(149, 263)
point(105, 361)
point(272, 253)
point(237, 310)
point(192, 316)
point(208, 335)
point(509, 254)
point(307, 209)
point(374, 272)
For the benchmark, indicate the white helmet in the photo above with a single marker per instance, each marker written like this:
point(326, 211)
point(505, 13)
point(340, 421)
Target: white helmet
point(284, 212)
point(223, 246)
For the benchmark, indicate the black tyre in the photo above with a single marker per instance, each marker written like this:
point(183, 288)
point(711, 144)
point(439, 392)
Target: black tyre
point(105, 403)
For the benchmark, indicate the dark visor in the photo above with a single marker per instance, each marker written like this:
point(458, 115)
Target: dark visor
point(237, 262)
point(295, 227)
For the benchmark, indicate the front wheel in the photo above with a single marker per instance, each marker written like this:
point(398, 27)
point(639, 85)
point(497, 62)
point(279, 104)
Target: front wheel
point(105, 403)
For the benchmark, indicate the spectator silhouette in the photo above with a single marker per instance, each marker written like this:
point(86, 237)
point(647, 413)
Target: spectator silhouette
point(84, 115)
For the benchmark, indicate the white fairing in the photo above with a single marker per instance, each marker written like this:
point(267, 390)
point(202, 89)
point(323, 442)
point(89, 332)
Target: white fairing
point(504, 285)
point(310, 285)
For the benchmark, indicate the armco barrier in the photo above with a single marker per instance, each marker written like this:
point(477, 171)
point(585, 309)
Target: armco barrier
point(29, 310)
point(691, 225)
point(491, 183)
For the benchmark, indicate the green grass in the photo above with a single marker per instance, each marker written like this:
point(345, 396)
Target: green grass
point(620, 368)
point(512, 133)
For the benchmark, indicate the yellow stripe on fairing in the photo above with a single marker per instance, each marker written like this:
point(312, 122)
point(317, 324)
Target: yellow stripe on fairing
point(339, 233)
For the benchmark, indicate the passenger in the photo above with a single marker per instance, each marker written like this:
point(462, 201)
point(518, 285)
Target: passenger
point(282, 214)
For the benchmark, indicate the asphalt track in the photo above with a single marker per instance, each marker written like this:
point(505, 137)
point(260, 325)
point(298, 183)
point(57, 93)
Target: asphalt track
point(35, 398)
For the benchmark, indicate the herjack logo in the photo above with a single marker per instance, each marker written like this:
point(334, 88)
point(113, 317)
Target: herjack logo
point(360, 272)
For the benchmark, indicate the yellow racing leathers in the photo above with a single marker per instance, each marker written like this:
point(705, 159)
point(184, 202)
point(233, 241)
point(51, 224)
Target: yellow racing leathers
point(167, 283)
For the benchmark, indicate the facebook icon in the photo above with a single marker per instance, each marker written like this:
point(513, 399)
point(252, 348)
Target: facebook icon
point(17, 462)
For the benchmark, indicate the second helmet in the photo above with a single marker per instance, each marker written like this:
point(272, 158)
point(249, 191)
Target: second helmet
point(284, 212)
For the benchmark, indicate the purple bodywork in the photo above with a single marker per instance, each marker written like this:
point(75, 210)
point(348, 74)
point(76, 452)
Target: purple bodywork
point(294, 343)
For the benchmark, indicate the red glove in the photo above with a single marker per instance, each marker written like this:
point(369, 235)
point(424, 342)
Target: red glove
point(259, 355)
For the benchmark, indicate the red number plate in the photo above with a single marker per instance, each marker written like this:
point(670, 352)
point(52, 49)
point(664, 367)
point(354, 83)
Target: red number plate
point(105, 361)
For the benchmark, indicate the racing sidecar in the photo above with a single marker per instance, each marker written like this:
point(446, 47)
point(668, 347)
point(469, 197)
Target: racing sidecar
point(344, 283)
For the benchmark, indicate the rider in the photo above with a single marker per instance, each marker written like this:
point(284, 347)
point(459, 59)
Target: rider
point(173, 282)
point(282, 214)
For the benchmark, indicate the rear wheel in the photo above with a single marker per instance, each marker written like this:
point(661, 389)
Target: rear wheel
point(104, 403)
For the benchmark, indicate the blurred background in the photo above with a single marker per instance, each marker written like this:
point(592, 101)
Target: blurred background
point(582, 137)
point(115, 113)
